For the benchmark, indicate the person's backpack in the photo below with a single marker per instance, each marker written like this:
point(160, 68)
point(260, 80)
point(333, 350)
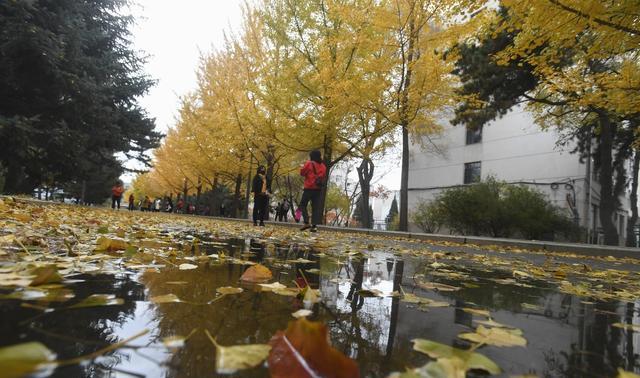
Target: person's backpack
point(319, 181)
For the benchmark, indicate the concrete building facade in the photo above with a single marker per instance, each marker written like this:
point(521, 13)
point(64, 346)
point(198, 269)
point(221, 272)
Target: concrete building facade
point(516, 150)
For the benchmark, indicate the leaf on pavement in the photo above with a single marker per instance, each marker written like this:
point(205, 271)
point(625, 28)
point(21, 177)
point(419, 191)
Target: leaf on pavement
point(96, 300)
point(226, 290)
point(45, 275)
point(626, 374)
point(303, 350)
point(21, 359)
point(167, 298)
point(256, 273)
point(495, 336)
point(110, 244)
point(302, 313)
point(187, 266)
point(471, 360)
point(230, 359)
point(436, 286)
point(476, 311)
point(272, 286)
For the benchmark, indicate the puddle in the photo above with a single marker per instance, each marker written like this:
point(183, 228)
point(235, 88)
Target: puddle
point(567, 336)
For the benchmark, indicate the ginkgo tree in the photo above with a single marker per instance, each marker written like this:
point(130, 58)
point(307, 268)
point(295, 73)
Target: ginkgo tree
point(340, 76)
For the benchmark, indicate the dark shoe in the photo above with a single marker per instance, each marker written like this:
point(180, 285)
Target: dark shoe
point(313, 229)
point(261, 224)
point(255, 223)
point(305, 227)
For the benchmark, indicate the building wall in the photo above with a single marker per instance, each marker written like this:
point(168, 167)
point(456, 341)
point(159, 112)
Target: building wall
point(513, 149)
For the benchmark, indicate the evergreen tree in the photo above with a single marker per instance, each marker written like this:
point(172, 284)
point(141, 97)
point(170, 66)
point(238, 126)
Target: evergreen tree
point(68, 93)
point(393, 211)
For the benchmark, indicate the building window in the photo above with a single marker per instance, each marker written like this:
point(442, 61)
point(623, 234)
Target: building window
point(472, 172)
point(474, 135)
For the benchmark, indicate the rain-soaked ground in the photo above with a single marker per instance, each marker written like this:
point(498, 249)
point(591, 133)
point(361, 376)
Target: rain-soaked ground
point(567, 335)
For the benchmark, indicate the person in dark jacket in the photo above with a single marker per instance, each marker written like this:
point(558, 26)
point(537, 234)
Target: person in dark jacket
point(315, 174)
point(260, 196)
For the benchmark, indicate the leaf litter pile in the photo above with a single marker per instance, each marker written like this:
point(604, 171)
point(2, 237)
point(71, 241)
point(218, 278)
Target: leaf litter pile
point(84, 289)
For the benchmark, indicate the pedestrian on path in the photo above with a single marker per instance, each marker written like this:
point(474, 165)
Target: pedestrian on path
point(260, 196)
point(315, 173)
point(116, 194)
point(132, 202)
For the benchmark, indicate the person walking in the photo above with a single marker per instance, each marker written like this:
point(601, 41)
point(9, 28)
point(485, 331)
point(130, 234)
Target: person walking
point(278, 210)
point(260, 196)
point(284, 212)
point(132, 202)
point(315, 173)
point(116, 194)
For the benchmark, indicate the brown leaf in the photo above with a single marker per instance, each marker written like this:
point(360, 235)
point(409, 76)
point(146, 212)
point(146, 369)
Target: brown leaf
point(256, 273)
point(303, 350)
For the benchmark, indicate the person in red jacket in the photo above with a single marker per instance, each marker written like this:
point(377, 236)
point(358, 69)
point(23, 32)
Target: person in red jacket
point(116, 194)
point(315, 175)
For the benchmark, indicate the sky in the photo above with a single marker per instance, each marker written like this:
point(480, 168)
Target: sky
point(174, 35)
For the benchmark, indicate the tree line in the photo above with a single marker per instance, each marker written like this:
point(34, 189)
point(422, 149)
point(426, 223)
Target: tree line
point(68, 96)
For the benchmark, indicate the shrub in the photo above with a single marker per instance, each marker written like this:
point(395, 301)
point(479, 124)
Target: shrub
point(496, 209)
point(427, 216)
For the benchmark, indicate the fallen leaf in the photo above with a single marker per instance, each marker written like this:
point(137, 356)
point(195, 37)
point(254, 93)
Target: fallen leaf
point(629, 327)
point(302, 313)
point(177, 341)
point(167, 298)
point(530, 306)
point(303, 350)
point(626, 374)
point(256, 273)
point(187, 266)
point(471, 360)
point(95, 300)
point(21, 359)
point(437, 286)
point(476, 311)
point(495, 336)
point(45, 275)
point(412, 298)
point(226, 290)
point(230, 359)
point(370, 293)
point(272, 286)
point(492, 323)
point(110, 244)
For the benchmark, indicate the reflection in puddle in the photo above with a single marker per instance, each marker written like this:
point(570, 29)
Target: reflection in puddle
point(566, 336)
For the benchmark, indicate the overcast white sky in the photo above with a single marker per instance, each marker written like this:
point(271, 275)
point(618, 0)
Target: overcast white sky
point(174, 34)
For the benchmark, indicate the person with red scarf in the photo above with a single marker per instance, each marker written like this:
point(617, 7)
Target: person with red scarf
point(315, 175)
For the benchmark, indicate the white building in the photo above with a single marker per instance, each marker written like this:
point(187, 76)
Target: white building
point(512, 149)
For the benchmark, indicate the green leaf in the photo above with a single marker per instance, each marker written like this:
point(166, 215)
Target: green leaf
point(96, 300)
point(21, 359)
point(471, 360)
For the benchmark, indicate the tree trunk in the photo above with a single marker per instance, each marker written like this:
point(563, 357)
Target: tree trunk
point(198, 193)
point(365, 174)
point(404, 112)
point(608, 199)
point(631, 236)
point(247, 192)
point(236, 196)
point(328, 153)
point(404, 182)
point(185, 191)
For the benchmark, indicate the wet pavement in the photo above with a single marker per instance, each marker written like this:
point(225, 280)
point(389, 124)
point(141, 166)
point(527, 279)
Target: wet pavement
point(567, 335)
